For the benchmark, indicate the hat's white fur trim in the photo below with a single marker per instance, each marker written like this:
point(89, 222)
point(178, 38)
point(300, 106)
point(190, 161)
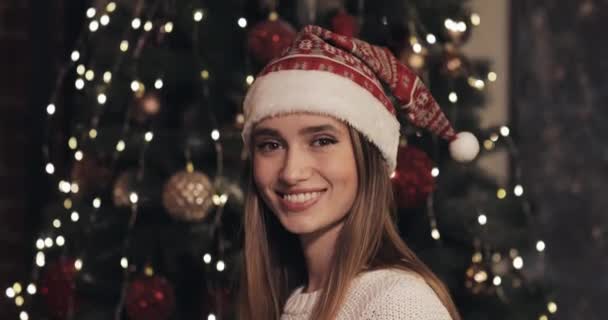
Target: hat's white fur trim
point(322, 92)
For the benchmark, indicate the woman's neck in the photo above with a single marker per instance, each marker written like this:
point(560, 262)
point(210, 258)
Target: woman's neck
point(318, 248)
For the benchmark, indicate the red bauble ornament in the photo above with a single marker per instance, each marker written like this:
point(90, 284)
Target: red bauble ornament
point(58, 289)
point(412, 180)
point(344, 24)
point(267, 39)
point(150, 298)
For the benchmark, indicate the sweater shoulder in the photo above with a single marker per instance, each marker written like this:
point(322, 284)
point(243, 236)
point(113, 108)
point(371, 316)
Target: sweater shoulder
point(406, 296)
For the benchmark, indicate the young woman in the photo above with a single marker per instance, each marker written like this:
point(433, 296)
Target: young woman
point(320, 241)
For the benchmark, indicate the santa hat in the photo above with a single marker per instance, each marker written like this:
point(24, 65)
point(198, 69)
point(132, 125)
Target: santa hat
point(326, 73)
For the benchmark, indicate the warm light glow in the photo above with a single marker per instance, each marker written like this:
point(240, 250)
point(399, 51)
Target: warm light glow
point(19, 301)
point(107, 77)
point(480, 276)
point(168, 27)
point(64, 186)
point(74, 216)
point(149, 271)
point(430, 38)
point(79, 83)
point(207, 258)
point(49, 168)
point(518, 263)
point(89, 75)
point(67, 203)
point(40, 261)
point(124, 262)
point(78, 264)
point(198, 15)
point(135, 85)
point(158, 84)
point(57, 223)
point(482, 219)
point(435, 172)
point(40, 244)
point(104, 20)
point(211, 316)
point(242, 22)
point(501, 193)
point(540, 246)
point(93, 133)
point(23, 315)
point(101, 98)
point(73, 143)
point(505, 131)
point(552, 307)
point(124, 45)
point(220, 266)
point(75, 55)
point(60, 241)
point(31, 288)
point(488, 144)
point(48, 242)
point(475, 19)
point(435, 234)
point(91, 12)
point(120, 146)
point(205, 74)
point(492, 76)
point(135, 23)
point(111, 6)
point(249, 79)
point(148, 26)
point(80, 69)
point(133, 198)
point(78, 155)
point(74, 188)
point(149, 136)
point(10, 292)
point(96, 203)
point(93, 26)
point(453, 97)
point(50, 109)
point(215, 135)
point(273, 16)
point(17, 287)
point(477, 257)
point(417, 47)
point(497, 280)
point(518, 190)
point(543, 317)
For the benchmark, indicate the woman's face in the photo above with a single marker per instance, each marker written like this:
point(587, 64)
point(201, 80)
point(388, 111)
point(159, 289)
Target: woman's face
point(304, 168)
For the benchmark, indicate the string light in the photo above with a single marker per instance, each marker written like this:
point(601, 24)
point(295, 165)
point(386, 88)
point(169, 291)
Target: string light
point(10, 292)
point(64, 186)
point(435, 172)
point(17, 287)
point(480, 276)
point(540, 246)
point(215, 135)
point(476, 83)
point(91, 12)
point(148, 26)
point(435, 234)
point(40, 260)
point(220, 266)
point(19, 301)
point(518, 262)
point(120, 146)
point(501, 193)
point(158, 84)
point(475, 19)
point(505, 131)
point(74, 187)
point(93, 133)
point(456, 26)
point(49, 168)
point(242, 22)
point(78, 264)
point(417, 47)
point(518, 190)
point(496, 281)
point(80, 69)
point(75, 55)
point(50, 109)
point(211, 316)
point(492, 76)
point(104, 20)
point(488, 144)
point(477, 257)
point(93, 26)
point(107, 77)
point(23, 315)
point(207, 258)
point(198, 15)
point(168, 27)
point(494, 137)
point(60, 241)
point(31, 289)
point(149, 271)
point(89, 75)
point(249, 79)
point(393, 174)
point(79, 84)
point(482, 219)
point(57, 223)
point(39, 244)
point(205, 74)
point(111, 6)
point(124, 262)
point(74, 216)
point(102, 98)
point(430, 38)
point(453, 97)
point(149, 136)
point(552, 307)
point(136, 23)
point(48, 242)
point(96, 203)
point(73, 143)
point(133, 198)
point(78, 155)
point(543, 317)
point(135, 85)
point(124, 45)
point(67, 203)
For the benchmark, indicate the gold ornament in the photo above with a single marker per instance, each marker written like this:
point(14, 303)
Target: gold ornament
point(187, 196)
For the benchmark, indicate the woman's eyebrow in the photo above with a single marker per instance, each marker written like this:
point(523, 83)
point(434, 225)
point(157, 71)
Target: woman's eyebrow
point(265, 132)
point(319, 128)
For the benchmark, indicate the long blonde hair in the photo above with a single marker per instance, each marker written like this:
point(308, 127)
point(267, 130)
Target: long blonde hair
point(274, 264)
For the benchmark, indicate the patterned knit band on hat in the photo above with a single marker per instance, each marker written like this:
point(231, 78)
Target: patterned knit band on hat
point(330, 74)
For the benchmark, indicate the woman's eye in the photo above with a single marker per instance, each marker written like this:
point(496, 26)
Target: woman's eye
point(267, 146)
point(323, 142)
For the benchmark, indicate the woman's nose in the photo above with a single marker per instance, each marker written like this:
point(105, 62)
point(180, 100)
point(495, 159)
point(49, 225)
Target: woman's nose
point(296, 167)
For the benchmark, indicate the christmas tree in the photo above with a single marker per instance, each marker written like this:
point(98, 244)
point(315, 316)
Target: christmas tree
point(147, 183)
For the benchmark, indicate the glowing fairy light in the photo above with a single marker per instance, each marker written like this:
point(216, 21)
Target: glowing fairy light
point(435, 234)
point(215, 135)
point(242, 22)
point(91, 12)
point(49, 168)
point(135, 23)
point(430, 38)
point(540, 246)
point(50, 109)
point(198, 15)
point(60, 241)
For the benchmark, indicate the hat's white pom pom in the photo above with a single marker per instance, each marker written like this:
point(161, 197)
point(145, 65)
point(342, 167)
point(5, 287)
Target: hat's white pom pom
point(465, 147)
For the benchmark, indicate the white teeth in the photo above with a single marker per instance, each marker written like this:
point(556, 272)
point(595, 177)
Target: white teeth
point(301, 197)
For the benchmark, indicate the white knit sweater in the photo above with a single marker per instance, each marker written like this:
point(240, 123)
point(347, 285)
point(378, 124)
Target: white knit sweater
point(378, 295)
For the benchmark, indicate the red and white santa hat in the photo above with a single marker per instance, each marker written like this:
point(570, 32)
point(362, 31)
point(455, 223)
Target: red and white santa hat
point(326, 73)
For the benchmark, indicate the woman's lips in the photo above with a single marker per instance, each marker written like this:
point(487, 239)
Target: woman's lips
point(299, 206)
